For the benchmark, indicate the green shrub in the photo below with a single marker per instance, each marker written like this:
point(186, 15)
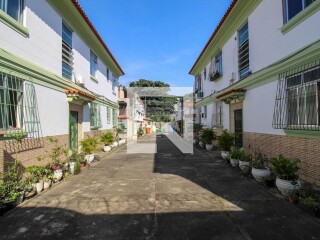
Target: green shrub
point(226, 140)
point(311, 202)
point(207, 136)
point(237, 153)
point(285, 168)
point(77, 168)
point(89, 144)
point(258, 161)
point(107, 138)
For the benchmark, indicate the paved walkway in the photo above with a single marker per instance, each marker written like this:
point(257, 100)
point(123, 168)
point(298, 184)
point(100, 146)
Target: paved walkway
point(164, 196)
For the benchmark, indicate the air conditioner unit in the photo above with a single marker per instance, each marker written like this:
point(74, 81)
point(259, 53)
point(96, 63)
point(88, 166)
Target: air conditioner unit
point(200, 94)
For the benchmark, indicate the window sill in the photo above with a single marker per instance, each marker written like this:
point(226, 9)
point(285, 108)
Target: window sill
point(218, 126)
point(94, 128)
point(14, 24)
point(300, 17)
point(302, 133)
point(94, 79)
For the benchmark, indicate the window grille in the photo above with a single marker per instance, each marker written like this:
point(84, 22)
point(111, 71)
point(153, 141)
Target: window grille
point(298, 99)
point(115, 117)
point(95, 116)
point(67, 53)
point(244, 51)
point(18, 107)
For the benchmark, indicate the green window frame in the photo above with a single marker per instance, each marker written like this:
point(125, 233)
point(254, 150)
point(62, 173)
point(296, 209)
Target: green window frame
point(243, 52)
point(18, 107)
point(93, 64)
point(95, 116)
point(115, 117)
point(14, 8)
point(108, 115)
point(67, 52)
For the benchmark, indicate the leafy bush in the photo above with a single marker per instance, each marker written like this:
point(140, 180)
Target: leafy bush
point(140, 132)
point(207, 136)
point(77, 168)
point(258, 161)
point(237, 153)
point(37, 173)
point(226, 140)
point(11, 185)
point(286, 169)
point(107, 138)
point(311, 202)
point(88, 145)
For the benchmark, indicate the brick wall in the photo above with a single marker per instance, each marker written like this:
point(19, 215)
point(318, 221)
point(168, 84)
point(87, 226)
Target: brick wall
point(28, 150)
point(306, 149)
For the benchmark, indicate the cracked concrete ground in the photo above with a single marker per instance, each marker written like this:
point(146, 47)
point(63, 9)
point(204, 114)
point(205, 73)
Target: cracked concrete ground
point(166, 196)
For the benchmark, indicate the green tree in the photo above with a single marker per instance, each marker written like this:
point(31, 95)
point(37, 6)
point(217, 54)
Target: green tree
point(156, 106)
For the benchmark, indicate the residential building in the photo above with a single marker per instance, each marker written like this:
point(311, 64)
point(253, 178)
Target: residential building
point(259, 77)
point(57, 78)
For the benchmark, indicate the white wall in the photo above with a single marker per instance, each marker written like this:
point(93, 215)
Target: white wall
point(53, 112)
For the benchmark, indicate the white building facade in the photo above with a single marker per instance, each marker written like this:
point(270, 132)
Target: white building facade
point(259, 76)
point(58, 77)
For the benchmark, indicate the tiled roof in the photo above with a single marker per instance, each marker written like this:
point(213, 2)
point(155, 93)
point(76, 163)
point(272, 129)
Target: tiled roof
point(86, 18)
point(215, 32)
point(74, 91)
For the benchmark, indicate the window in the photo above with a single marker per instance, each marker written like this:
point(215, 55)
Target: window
point(218, 63)
point(11, 102)
point(205, 111)
point(297, 105)
point(205, 73)
point(108, 74)
point(218, 116)
point(95, 116)
point(199, 87)
point(108, 115)
point(93, 64)
point(243, 51)
point(303, 98)
point(114, 82)
point(293, 7)
point(115, 117)
point(67, 53)
point(14, 8)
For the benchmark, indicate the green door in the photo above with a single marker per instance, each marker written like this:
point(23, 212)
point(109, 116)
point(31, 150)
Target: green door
point(238, 128)
point(73, 131)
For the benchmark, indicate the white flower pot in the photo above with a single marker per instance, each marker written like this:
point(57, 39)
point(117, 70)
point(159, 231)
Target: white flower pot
point(244, 166)
point(47, 184)
point(107, 148)
point(72, 167)
point(38, 186)
point(201, 144)
point(234, 162)
point(209, 147)
point(225, 154)
point(286, 187)
point(260, 174)
point(115, 144)
point(89, 158)
point(122, 141)
point(58, 174)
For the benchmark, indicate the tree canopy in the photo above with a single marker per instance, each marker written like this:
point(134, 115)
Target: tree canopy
point(156, 106)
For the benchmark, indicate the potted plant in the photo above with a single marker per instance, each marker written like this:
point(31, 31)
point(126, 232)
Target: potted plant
point(196, 130)
point(235, 155)
point(75, 163)
point(48, 177)
point(225, 140)
point(29, 189)
point(37, 173)
point(245, 162)
point(119, 129)
point(259, 171)
point(88, 145)
point(207, 137)
point(214, 76)
point(311, 203)
point(11, 190)
point(107, 139)
point(140, 132)
point(287, 174)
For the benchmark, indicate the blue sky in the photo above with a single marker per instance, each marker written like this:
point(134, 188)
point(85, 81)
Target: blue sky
point(156, 39)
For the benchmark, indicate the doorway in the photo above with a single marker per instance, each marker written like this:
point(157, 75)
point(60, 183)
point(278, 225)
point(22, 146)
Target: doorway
point(238, 129)
point(73, 131)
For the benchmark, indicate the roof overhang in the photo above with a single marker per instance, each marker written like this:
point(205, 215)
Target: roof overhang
point(73, 14)
point(235, 16)
point(79, 97)
point(234, 95)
